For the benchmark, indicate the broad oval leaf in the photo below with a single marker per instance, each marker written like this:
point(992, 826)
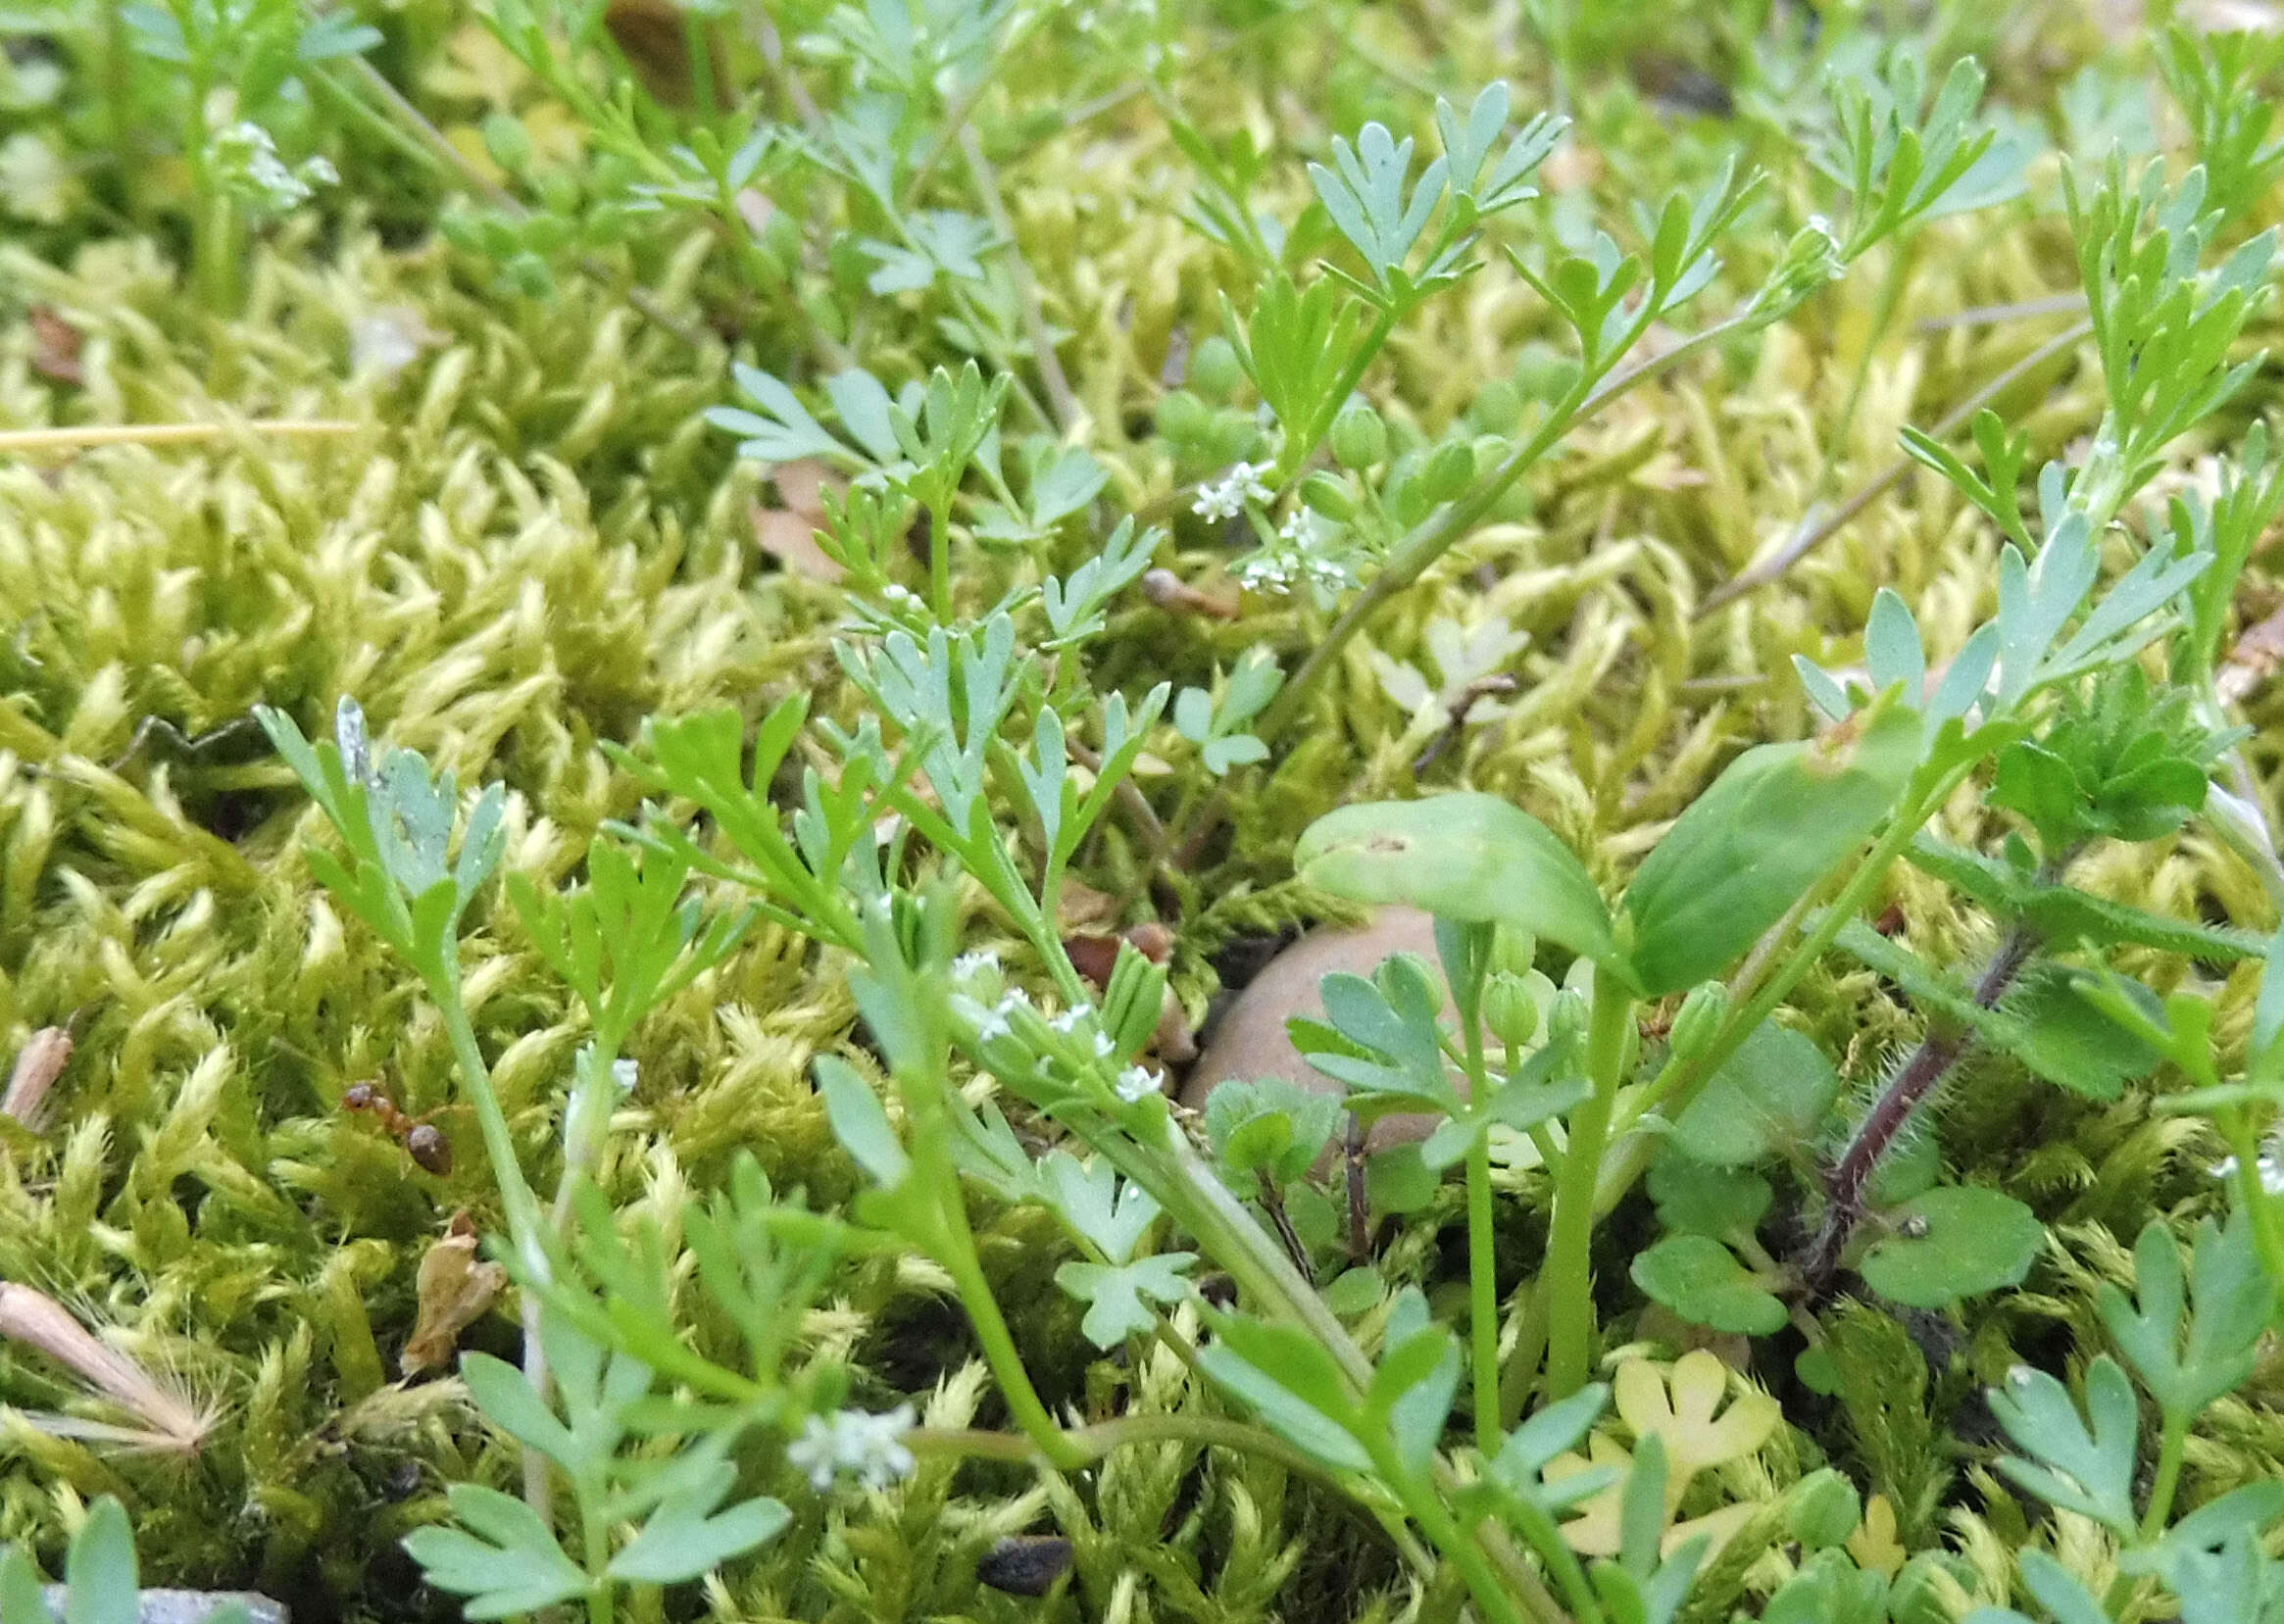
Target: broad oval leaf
point(1464, 857)
point(1773, 825)
point(1699, 1279)
point(1952, 1243)
point(1772, 1092)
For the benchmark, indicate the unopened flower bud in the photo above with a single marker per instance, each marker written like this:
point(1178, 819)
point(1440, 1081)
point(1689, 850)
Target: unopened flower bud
point(1701, 1016)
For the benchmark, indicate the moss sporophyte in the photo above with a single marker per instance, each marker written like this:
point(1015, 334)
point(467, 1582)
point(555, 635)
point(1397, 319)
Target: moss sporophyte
point(831, 811)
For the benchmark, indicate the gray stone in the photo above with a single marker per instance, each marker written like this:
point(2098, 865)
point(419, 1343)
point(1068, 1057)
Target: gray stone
point(192, 1607)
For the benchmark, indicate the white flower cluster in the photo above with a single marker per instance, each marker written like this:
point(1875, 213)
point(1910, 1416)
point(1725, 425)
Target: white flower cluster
point(1225, 497)
point(246, 160)
point(1300, 555)
point(1138, 1083)
point(867, 1447)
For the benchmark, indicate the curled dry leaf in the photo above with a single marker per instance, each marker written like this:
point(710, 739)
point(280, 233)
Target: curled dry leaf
point(456, 1290)
point(38, 1064)
point(56, 346)
point(788, 533)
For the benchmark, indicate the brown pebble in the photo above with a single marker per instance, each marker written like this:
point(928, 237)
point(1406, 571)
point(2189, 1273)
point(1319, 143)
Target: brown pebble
point(1251, 1041)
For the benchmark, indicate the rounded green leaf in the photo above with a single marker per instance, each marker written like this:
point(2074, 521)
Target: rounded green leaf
point(1771, 1094)
point(1773, 825)
point(1953, 1243)
point(1464, 857)
point(1699, 1279)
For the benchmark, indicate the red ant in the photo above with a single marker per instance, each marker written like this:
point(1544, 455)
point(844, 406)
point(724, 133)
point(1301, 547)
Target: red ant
point(423, 1141)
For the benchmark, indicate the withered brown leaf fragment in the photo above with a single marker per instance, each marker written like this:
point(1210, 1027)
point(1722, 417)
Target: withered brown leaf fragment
point(38, 1064)
point(456, 1290)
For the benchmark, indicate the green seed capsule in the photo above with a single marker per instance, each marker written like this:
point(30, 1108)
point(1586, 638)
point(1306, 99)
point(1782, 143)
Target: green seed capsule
point(1181, 416)
point(1498, 408)
point(1699, 1018)
point(1544, 374)
point(1449, 473)
point(1509, 1011)
point(1214, 369)
point(1359, 439)
point(1329, 494)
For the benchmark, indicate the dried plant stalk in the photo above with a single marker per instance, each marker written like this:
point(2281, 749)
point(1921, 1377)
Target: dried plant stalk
point(170, 1422)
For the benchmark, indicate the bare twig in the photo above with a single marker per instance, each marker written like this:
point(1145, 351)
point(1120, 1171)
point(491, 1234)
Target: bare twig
point(1812, 536)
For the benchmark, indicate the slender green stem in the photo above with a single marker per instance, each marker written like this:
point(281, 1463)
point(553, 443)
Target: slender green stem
point(1482, 1255)
point(1439, 534)
point(520, 1205)
point(1493, 1600)
point(595, 1530)
point(940, 559)
point(698, 34)
point(1001, 1354)
point(1569, 1281)
point(1483, 1287)
point(2171, 1446)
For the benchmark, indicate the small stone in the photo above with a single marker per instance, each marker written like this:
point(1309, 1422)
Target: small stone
point(190, 1607)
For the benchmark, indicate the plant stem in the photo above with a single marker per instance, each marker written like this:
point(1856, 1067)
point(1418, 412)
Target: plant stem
point(1568, 1275)
point(1439, 534)
point(1059, 399)
point(1809, 537)
point(2172, 1444)
point(940, 559)
point(1483, 1289)
point(1938, 1053)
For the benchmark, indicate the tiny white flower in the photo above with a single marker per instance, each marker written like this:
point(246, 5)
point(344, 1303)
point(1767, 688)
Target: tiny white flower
point(1012, 1000)
point(2020, 1376)
point(1136, 1084)
point(623, 1073)
point(968, 966)
point(1225, 497)
point(1304, 527)
point(1103, 1045)
point(993, 1026)
point(869, 1447)
point(898, 593)
point(1070, 1020)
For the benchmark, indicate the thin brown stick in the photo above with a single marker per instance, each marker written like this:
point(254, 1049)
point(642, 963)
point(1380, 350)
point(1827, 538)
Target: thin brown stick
point(1811, 537)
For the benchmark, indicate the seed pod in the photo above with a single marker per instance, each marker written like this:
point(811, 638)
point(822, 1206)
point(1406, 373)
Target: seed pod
point(1699, 1018)
point(1509, 1009)
point(1181, 416)
point(1448, 473)
point(1359, 439)
point(1214, 369)
point(1329, 494)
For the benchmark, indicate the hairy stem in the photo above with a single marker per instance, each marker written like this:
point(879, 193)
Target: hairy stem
point(1899, 1102)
